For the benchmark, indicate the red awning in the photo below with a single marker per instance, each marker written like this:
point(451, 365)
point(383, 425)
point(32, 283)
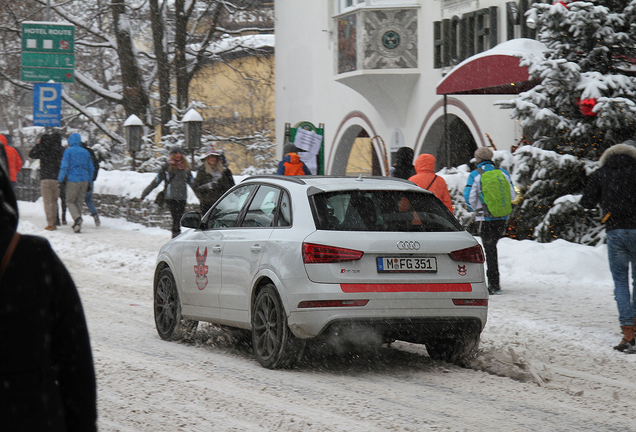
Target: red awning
point(495, 71)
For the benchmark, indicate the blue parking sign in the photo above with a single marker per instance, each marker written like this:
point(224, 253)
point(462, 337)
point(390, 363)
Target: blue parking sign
point(47, 104)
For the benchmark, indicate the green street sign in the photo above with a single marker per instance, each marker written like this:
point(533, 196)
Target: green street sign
point(48, 52)
point(64, 61)
point(34, 74)
point(48, 37)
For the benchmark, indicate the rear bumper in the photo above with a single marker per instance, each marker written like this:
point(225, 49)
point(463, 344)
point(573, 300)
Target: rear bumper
point(409, 316)
point(417, 330)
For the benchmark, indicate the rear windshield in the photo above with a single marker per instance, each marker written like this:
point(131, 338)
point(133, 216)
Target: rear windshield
point(381, 211)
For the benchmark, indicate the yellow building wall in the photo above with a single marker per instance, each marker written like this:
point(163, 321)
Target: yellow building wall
point(240, 102)
point(360, 158)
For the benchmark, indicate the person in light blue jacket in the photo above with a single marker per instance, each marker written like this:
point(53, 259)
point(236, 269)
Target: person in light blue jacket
point(77, 170)
point(491, 229)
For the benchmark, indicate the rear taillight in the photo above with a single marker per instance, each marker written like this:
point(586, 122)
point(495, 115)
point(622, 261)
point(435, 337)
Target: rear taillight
point(331, 303)
point(321, 254)
point(473, 254)
point(470, 302)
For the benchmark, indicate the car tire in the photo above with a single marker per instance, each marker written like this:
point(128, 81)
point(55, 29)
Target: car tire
point(167, 308)
point(460, 350)
point(274, 344)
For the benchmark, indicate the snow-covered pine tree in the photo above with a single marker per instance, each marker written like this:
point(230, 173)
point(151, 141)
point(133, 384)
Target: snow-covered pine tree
point(545, 177)
point(583, 105)
point(262, 150)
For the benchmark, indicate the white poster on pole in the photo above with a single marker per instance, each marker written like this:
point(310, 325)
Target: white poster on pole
point(310, 142)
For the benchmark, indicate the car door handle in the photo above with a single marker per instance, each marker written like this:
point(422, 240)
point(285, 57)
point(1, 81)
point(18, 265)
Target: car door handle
point(216, 248)
point(256, 248)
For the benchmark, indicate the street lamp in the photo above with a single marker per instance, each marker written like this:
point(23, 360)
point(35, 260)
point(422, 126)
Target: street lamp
point(192, 125)
point(134, 130)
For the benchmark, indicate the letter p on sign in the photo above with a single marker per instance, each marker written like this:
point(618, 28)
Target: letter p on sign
point(48, 95)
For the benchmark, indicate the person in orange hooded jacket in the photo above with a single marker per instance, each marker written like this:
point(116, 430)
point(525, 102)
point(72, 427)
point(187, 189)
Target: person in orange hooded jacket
point(291, 164)
point(13, 158)
point(427, 179)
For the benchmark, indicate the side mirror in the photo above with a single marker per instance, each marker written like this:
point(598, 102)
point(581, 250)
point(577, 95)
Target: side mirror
point(191, 220)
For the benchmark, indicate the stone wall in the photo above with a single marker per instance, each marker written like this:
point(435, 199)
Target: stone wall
point(145, 212)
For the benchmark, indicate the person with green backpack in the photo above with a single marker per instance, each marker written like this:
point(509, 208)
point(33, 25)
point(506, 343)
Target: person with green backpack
point(489, 193)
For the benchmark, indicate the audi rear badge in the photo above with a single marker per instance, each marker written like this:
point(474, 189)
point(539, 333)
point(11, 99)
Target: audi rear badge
point(408, 245)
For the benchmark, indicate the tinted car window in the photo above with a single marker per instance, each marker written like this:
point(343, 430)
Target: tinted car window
point(226, 212)
point(381, 211)
point(263, 207)
point(284, 211)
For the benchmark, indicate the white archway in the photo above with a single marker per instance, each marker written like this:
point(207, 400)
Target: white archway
point(354, 125)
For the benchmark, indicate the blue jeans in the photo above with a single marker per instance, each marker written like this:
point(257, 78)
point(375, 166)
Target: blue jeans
point(621, 250)
point(88, 199)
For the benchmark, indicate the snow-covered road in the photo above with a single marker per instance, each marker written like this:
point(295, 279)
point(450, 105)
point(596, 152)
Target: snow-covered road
point(546, 361)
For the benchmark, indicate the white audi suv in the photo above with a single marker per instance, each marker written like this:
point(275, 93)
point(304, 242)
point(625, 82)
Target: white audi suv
point(299, 258)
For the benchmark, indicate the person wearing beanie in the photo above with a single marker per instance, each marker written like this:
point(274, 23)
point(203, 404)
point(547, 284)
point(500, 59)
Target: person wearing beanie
point(213, 179)
point(49, 152)
point(483, 154)
point(291, 164)
point(13, 159)
point(613, 187)
point(77, 170)
point(427, 179)
point(491, 229)
point(403, 168)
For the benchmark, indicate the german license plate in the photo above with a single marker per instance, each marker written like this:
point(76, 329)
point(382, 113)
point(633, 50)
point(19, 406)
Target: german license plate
point(407, 265)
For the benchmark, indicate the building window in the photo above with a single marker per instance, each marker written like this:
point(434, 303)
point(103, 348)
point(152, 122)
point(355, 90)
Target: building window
point(346, 5)
point(458, 38)
point(392, 2)
point(343, 5)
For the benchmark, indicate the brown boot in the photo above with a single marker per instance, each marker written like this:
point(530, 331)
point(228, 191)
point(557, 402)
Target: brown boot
point(628, 342)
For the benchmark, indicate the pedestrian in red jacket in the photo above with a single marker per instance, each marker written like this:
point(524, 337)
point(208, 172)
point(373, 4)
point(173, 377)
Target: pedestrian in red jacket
point(427, 179)
point(13, 158)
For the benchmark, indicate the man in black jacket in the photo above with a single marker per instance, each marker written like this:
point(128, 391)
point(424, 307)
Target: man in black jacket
point(47, 379)
point(613, 186)
point(49, 151)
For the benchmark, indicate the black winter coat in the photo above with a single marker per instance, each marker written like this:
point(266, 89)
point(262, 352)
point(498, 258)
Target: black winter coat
point(404, 168)
point(50, 154)
point(613, 186)
point(47, 380)
point(210, 187)
point(94, 159)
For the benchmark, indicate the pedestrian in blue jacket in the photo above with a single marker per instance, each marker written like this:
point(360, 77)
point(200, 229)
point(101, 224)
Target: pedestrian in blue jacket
point(491, 229)
point(77, 170)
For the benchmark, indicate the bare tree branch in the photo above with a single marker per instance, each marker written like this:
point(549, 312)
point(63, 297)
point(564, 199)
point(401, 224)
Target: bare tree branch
point(105, 129)
point(87, 82)
point(79, 23)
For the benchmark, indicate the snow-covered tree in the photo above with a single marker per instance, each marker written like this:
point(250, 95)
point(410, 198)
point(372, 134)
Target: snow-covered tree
point(131, 56)
point(545, 177)
point(583, 105)
point(261, 147)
